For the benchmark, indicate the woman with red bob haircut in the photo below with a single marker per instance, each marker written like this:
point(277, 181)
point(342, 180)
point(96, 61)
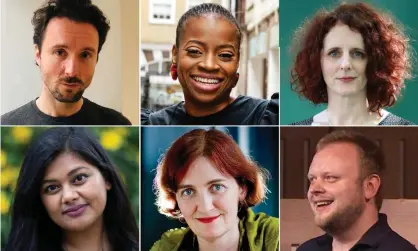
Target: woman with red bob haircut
point(354, 59)
point(205, 180)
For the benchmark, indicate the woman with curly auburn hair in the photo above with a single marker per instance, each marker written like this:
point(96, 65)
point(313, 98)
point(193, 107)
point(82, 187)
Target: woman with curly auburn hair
point(355, 60)
point(205, 180)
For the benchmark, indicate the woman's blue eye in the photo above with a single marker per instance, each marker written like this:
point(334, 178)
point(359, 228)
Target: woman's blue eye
point(187, 192)
point(358, 54)
point(217, 188)
point(334, 53)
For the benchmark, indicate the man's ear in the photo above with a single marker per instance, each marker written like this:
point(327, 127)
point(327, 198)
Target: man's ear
point(37, 55)
point(371, 186)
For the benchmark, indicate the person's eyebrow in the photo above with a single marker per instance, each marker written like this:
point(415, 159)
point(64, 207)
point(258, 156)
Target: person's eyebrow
point(64, 46)
point(333, 48)
point(204, 44)
point(357, 48)
point(59, 46)
point(196, 42)
point(91, 49)
point(207, 183)
point(339, 48)
point(70, 173)
point(226, 46)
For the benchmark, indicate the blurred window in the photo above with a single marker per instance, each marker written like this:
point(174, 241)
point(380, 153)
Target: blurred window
point(162, 11)
point(148, 55)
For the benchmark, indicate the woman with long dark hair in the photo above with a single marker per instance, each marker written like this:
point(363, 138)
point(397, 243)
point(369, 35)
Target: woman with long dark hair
point(69, 196)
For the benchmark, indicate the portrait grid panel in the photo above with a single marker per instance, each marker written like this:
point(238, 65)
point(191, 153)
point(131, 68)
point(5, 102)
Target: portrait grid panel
point(69, 178)
point(172, 148)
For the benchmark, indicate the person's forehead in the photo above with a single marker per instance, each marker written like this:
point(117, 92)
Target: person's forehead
point(211, 26)
point(342, 35)
point(64, 162)
point(209, 18)
point(64, 30)
point(201, 171)
point(339, 157)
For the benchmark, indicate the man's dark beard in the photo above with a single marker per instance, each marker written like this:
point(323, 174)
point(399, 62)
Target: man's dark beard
point(75, 98)
point(58, 96)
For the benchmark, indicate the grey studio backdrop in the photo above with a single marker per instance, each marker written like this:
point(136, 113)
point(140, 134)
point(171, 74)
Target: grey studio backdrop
point(260, 143)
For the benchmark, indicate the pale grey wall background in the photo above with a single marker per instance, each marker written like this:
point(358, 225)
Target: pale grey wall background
point(20, 77)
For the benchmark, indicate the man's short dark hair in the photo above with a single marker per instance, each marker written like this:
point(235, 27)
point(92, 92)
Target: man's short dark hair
point(82, 11)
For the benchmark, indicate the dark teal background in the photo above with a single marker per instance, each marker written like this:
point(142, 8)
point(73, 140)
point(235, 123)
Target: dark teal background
point(292, 15)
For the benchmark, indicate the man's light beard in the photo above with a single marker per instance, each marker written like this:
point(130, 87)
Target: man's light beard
point(343, 219)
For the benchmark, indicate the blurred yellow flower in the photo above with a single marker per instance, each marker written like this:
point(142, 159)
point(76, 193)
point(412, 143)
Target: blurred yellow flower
point(111, 140)
point(3, 159)
point(5, 203)
point(123, 131)
point(22, 134)
point(9, 176)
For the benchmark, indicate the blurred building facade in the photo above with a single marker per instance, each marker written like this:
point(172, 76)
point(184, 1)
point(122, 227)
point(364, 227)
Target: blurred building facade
point(259, 20)
point(259, 68)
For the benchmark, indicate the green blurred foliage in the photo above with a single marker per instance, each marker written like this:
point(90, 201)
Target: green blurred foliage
point(121, 144)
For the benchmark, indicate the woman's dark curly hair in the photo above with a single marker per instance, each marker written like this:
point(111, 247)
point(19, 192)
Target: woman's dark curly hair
point(386, 46)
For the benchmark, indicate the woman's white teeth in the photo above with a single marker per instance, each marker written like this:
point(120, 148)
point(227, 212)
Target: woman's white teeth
point(207, 80)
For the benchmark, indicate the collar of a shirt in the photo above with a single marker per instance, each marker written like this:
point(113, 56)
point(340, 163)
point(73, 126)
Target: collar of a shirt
point(371, 238)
